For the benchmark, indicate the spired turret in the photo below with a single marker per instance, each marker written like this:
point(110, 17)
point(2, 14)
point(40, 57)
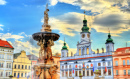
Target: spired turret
point(64, 50)
point(109, 43)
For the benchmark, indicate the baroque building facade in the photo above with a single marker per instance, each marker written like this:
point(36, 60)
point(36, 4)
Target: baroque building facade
point(85, 61)
point(121, 63)
point(21, 66)
point(6, 59)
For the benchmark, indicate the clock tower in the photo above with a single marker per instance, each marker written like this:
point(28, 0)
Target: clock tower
point(84, 46)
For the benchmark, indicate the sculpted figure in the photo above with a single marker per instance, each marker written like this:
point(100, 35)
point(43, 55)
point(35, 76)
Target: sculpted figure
point(46, 18)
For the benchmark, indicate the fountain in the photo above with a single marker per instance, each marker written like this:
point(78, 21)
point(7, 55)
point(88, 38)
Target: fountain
point(45, 68)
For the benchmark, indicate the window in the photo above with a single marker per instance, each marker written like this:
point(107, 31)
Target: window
point(109, 71)
point(79, 51)
point(116, 72)
point(87, 51)
point(25, 74)
point(29, 67)
point(15, 66)
point(66, 66)
point(8, 65)
point(18, 74)
point(22, 66)
point(62, 54)
point(109, 63)
point(14, 74)
point(84, 73)
point(69, 66)
point(116, 62)
point(1, 56)
point(1, 73)
point(18, 66)
point(87, 66)
point(21, 74)
point(76, 73)
point(66, 74)
point(99, 64)
point(128, 72)
point(104, 64)
point(128, 62)
point(124, 72)
point(62, 73)
point(25, 66)
point(104, 72)
point(7, 74)
point(91, 72)
point(123, 62)
point(62, 67)
point(1, 64)
point(83, 51)
point(79, 67)
point(70, 73)
point(8, 57)
point(87, 72)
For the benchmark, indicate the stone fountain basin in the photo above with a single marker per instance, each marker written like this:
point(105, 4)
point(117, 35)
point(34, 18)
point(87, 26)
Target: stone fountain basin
point(43, 65)
point(45, 35)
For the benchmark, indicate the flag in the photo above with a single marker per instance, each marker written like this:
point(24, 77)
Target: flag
point(27, 76)
point(93, 69)
point(75, 66)
point(18, 76)
point(105, 69)
point(91, 65)
point(73, 70)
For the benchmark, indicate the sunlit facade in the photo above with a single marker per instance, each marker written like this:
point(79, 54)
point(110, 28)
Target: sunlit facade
point(21, 66)
point(85, 61)
point(6, 59)
point(121, 63)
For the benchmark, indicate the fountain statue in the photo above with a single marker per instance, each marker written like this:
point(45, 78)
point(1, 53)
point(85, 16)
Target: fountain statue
point(45, 67)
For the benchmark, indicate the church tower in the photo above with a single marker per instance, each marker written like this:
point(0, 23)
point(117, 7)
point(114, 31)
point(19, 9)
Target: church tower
point(64, 50)
point(109, 44)
point(84, 46)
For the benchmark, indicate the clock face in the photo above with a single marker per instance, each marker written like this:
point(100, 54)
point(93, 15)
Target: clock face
point(88, 35)
point(83, 35)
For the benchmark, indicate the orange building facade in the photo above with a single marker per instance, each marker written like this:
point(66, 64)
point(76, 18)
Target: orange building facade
point(121, 63)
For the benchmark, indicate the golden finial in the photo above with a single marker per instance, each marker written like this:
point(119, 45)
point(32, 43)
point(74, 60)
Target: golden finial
point(84, 14)
point(108, 30)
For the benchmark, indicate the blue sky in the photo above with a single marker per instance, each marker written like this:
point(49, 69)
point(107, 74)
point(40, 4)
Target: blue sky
point(19, 19)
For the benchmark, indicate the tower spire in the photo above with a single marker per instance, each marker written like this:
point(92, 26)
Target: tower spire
point(84, 14)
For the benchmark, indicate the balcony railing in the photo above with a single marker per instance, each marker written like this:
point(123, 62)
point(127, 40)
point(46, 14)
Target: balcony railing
point(85, 56)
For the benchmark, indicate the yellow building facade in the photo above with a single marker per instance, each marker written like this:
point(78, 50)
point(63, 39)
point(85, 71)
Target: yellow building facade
point(21, 66)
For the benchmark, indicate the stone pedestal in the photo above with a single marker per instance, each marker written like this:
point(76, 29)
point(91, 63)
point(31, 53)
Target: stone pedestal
point(44, 71)
point(96, 75)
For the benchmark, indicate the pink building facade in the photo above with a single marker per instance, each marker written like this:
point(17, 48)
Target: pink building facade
point(33, 59)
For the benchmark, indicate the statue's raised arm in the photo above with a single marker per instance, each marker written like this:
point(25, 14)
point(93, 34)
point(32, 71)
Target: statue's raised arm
point(46, 18)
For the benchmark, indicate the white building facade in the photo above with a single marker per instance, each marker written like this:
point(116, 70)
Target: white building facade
point(6, 59)
point(85, 61)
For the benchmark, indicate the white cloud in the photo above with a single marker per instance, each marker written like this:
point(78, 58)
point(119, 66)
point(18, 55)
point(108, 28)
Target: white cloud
point(27, 46)
point(2, 2)
point(58, 46)
point(9, 35)
point(53, 2)
point(71, 22)
point(1, 27)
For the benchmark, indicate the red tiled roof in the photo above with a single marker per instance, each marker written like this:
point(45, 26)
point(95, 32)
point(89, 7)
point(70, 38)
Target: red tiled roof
point(122, 49)
point(5, 44)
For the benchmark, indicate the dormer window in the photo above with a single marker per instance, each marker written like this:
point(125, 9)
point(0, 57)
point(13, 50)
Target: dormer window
point(127, 51)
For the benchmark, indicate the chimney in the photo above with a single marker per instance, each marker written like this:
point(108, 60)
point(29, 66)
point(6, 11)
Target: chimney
point(71, 54)
point(97, 50)
point(102, 50)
